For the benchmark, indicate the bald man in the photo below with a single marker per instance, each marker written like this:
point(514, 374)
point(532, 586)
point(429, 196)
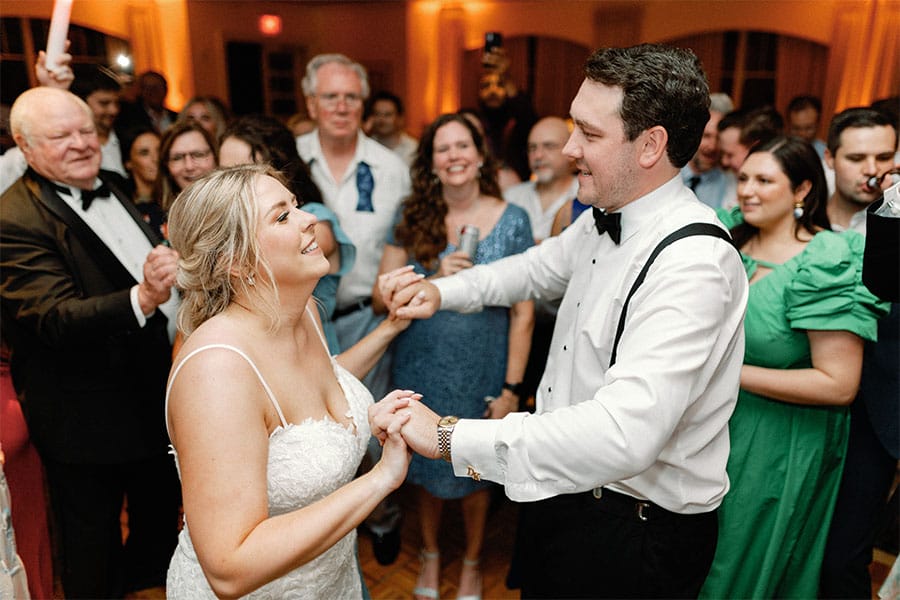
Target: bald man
point(88, 313)
point(552, 183)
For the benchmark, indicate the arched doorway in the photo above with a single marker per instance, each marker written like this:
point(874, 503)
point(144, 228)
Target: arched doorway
point(550, 69)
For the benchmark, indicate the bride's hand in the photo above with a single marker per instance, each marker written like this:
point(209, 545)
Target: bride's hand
point(381, 413)
point(395, 454)
point(393, 281)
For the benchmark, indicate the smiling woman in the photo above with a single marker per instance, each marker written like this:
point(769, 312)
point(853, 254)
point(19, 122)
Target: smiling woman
point(258, 411)
point(455, 186)
point(186, 153)
point(801, 369)
point(262, 139)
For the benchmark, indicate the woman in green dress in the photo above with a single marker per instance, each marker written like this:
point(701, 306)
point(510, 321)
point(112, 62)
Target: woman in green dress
point(807, 316)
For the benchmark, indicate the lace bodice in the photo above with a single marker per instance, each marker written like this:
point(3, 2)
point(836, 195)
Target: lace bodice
point(307, 461)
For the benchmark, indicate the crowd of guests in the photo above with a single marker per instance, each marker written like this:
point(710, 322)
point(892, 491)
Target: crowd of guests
point(244, 289)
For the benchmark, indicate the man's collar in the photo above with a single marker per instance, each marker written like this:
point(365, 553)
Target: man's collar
point(643, 209)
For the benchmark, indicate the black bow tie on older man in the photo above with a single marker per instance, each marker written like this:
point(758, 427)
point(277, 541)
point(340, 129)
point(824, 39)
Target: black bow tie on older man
point(87, 196)
point(610, 223)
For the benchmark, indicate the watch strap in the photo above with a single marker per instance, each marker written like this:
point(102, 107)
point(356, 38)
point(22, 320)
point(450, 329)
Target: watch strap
point(515, 388)
point(444, 434)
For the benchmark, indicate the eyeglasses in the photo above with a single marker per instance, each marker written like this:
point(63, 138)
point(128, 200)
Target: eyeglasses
point(331, 101)
point(195, 155)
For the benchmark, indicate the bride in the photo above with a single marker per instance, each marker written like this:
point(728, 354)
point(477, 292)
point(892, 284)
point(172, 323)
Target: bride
point(266, 427)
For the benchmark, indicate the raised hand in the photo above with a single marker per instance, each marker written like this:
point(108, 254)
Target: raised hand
point(407, 295)
point(61, 77)
point(159, 277)
point(395, 455)
point(454, 262)
point(419, 432)
point(381, 413)
point(393, 281)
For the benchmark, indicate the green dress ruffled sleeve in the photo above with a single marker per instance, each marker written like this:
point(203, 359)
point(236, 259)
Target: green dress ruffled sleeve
point(730, 217)
point(827, 293)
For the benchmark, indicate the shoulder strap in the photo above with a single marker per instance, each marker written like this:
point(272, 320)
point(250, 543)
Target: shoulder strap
point(245, 357)
point(686, 231)
point(319, 331)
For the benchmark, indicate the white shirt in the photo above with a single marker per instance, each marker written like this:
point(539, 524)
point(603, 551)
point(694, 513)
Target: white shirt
point(111, 155)
point(655, 425)
point(857, 223)
point(367, 230)
point(406, 148)
point(526, 195)
point(109, 220)
point(12, 166)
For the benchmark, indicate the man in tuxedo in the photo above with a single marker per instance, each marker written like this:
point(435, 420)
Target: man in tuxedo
point(88, 312)
point(621, 469)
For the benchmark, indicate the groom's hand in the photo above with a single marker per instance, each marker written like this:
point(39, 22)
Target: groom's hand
point(407, 295)
point(420, 432)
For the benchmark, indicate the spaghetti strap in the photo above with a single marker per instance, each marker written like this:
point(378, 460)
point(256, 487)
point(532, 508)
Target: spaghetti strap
point(319, 331)
point(245, 357)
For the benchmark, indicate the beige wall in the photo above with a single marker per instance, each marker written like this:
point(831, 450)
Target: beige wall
point(371, 33)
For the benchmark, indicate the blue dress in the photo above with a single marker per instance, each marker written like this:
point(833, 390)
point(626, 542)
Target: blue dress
point(455, 360)
point(326, 290)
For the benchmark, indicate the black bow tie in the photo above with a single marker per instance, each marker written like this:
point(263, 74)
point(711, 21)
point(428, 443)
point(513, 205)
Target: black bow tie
point(610, 223)
point(87, 196)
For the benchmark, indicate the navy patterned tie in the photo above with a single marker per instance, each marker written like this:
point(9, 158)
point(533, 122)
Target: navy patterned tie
point(365, 183)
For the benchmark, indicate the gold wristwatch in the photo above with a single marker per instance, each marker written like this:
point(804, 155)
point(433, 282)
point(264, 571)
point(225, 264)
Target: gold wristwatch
point(444, 432)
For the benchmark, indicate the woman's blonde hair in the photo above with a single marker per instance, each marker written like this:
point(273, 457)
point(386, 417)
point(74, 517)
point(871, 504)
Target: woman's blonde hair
point(212, 225)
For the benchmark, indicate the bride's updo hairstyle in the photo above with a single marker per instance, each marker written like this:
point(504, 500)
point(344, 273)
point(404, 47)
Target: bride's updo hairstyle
point(212, 225)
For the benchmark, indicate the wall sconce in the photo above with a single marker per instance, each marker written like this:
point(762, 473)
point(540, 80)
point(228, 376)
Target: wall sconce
point(269, 24)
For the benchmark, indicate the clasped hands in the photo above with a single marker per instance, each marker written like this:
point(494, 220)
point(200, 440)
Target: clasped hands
point(407, 295)
point(160, 270)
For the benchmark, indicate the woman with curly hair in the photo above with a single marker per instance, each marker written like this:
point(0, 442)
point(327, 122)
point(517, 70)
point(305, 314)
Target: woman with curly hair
point(457, 360)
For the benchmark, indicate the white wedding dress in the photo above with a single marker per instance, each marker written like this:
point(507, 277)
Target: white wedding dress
point(307, 461)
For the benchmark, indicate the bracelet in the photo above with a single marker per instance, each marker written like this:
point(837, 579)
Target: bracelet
point(515, 388)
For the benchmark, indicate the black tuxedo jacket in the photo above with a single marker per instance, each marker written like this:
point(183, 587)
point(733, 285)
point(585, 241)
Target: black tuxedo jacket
point(90, 379)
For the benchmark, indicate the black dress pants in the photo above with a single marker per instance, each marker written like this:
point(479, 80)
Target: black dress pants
point(86, 501)
point(579, 546)
point(861, 503)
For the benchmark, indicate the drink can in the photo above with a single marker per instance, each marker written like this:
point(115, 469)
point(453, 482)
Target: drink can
point(468, 240)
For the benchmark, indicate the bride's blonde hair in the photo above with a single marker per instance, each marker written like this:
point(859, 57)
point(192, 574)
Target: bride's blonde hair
point(212, 225)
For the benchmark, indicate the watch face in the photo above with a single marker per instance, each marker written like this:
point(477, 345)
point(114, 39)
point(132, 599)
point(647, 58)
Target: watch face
point(447, 421)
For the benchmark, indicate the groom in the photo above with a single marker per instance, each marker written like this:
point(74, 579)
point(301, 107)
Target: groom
point(623, 466)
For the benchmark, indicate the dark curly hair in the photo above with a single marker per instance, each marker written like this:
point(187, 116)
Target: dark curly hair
point(800, 162)
point(421, 230)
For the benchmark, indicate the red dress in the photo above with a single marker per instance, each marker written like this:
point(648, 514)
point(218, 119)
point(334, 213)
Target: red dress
point(25, 477)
